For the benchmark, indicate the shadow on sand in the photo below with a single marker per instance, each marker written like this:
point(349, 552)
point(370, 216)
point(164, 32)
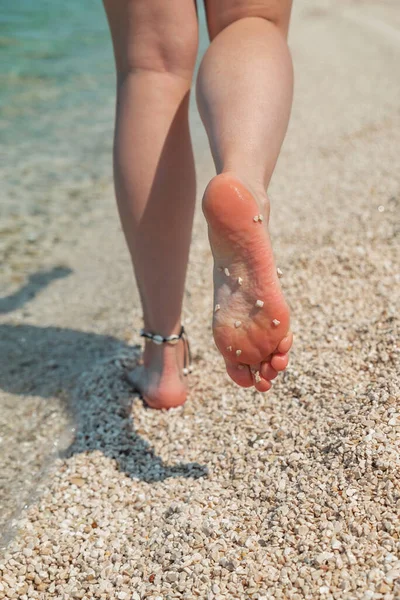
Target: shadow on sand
point(86, 371)
point(36, 282)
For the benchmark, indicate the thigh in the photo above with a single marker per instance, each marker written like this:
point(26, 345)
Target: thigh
point(221, 13)
point(153, 34)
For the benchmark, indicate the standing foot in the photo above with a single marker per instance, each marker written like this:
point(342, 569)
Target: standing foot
point(160, 379)
point(251, 317)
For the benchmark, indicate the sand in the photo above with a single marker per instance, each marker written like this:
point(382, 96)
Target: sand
point(289, 495)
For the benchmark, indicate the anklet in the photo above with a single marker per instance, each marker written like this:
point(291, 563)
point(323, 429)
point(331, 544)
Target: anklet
point(172, 339)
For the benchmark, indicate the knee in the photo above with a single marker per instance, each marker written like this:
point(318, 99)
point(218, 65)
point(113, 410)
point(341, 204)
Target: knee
point(172, 52)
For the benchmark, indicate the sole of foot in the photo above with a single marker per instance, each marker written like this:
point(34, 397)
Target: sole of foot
point(160, 380)
point(251, 318)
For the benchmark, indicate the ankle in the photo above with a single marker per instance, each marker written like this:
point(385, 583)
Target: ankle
point(157, 344)
point(159, 355)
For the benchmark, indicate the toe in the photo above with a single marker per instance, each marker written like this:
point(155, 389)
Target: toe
point(263, 385)
point(267, 371)
point(279, 361)
point(239, 373)
point(286, 343)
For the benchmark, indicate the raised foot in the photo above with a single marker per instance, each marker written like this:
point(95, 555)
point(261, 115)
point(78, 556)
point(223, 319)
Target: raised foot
point(251, 317)
point(160, 379)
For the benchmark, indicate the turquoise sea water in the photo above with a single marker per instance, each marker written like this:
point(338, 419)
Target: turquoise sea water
point(54, 57)
point(56, 99)
point(57, 94)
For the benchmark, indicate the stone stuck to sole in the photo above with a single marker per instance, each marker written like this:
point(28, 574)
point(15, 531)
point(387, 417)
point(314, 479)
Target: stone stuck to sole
point(217, 308)
point(239, 280)
point(259, 303)
point(238, 352)
point(227, 272)
point(238, 324)
point(279, 273)
point(229, 348)
point(276, 322)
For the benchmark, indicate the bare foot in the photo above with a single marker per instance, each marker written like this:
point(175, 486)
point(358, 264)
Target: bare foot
point(251, 317)
point(160, 379)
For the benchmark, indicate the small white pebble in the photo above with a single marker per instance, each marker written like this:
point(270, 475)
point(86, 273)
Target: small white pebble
point(279, 272)
point(238, 352)
point(381, 208)
point(239, 280)
point(229, 348)
point(260, 218)
point(255, 219)
point(240, 367)
point(238, 323)
point(276, 322)
point(324, 589)
point(259, 303)
point(257, 377)
point(226, 271)
point(217, 308)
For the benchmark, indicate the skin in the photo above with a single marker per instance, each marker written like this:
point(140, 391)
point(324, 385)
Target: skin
point(244, 94)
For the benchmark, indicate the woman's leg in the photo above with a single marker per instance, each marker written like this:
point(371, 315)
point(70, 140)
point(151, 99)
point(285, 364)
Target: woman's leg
point(155, 46)
point(244, 93)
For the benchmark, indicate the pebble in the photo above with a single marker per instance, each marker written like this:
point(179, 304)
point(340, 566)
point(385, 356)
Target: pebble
point(324, 589)
point(302, 530)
